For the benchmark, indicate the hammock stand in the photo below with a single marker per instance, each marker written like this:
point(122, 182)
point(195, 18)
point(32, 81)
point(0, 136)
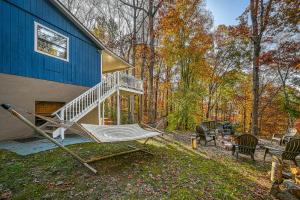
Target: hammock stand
point(100, 135)
point(93, 132)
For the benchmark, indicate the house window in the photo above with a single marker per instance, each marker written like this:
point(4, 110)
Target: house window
point(50, 42)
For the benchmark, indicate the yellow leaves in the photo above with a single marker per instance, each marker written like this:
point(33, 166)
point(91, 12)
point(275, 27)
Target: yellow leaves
point(184, 36)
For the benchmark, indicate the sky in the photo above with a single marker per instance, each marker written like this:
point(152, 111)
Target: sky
point(226, 11)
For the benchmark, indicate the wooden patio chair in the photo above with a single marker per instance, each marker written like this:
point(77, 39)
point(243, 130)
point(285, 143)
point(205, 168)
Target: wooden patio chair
point(284, 138)
point(245, 144)
point(291, 151)
point(202, 133)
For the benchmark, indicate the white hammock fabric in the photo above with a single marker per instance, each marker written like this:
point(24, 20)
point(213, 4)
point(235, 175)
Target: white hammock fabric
point(117, 133)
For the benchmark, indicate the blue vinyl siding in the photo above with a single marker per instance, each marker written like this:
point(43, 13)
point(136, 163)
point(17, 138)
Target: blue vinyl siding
point(17, 55)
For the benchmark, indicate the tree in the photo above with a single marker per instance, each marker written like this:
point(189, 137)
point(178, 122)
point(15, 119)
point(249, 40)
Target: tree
point(150, 11)
point(285, 60)
point(260, 14)
point(184, 47)
point(230, 52)
point(268, 19)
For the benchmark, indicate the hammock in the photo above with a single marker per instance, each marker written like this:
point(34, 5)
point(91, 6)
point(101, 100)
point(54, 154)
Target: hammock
point(117, 133)
point(114, 133)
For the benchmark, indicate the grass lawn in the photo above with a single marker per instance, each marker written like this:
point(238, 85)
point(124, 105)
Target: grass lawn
point(172, 173)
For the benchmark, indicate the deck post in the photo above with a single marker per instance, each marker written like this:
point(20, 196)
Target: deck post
point(103, 112)
point(118, 99)
point(99, 103)
point(118, 107)
point(99, 113)
point(61, 129)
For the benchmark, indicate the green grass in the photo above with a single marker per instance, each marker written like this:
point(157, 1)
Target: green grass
point(171, 173)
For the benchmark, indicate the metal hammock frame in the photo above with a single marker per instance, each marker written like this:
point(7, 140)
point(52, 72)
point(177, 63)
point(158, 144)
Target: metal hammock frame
point(82, 131)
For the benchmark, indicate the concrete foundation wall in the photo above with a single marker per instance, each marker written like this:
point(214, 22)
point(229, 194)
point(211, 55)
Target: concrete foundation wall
point(23, 92)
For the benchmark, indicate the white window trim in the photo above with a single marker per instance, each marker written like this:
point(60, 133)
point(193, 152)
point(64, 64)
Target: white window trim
point(47, 54)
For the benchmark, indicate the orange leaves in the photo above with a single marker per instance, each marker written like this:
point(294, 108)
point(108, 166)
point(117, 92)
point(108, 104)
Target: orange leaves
point(184, 43)
point(267, 58)
point(284, 56)
point(183, 33)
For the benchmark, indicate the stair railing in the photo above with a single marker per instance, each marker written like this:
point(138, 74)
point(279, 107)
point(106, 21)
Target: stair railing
point(84, 103)
point(87, 100)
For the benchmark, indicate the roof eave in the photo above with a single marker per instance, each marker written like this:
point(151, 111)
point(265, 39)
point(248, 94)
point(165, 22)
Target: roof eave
point(99, 44)
point(71, 17)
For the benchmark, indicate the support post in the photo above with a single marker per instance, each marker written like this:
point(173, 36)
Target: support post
point(99, 113)
point(61, 129)
point(99, 97)
point(103, 110)
point(118, 107)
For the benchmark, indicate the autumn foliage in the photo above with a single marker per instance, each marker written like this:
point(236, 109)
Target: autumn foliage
point(248, 74)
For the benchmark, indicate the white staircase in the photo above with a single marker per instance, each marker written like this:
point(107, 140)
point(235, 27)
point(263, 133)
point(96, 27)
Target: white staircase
point(86, 102)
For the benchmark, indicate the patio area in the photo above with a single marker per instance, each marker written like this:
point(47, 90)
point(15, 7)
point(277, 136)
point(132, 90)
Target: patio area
point(222, 147)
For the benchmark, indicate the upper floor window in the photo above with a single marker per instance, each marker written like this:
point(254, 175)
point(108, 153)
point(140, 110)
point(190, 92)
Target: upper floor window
point(50, 42)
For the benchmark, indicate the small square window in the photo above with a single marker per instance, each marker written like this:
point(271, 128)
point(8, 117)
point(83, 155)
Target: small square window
point(50, 42)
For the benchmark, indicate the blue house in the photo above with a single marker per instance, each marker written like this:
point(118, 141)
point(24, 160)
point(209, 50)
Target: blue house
point(47, 59)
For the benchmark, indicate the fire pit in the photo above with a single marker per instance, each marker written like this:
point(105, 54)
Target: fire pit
point(227, 141)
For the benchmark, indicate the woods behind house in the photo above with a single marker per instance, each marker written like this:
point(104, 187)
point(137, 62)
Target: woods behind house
point(193, 71)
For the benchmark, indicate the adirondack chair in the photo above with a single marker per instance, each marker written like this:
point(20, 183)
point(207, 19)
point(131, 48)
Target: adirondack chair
point(203, 133)
point(283, 139)
point(245, 144)
point(210, 126)
point(291, 151)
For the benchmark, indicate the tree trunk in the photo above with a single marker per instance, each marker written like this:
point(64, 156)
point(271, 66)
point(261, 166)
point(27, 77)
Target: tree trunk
point(156, 93)
point(141, 97)
point(244, 115)
point(156, 100)
point(290, 120)
point(133, 57)
point(152, 61)
point(255, 87)
point(167, 102)
point(146, 97)
point(260, 13)
point(168, 92)
point(208, 107)
point(254, 7)
point(216, 111)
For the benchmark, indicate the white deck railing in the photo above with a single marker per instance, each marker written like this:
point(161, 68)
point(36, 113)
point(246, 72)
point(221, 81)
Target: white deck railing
point(80, 106)
point(130, 82)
